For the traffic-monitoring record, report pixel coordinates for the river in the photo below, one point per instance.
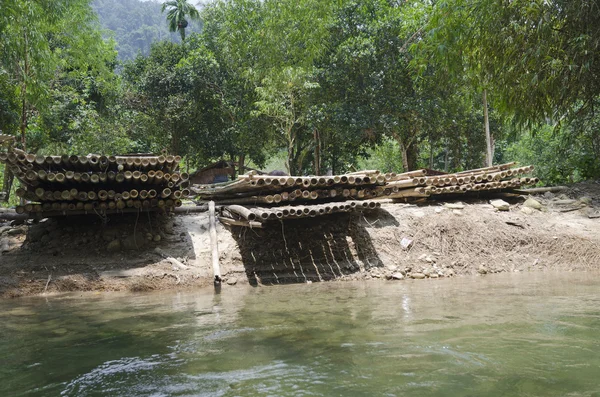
(501, 335)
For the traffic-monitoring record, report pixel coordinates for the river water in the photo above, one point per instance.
(502, 335)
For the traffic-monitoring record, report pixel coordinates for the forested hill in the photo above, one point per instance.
(136, 24)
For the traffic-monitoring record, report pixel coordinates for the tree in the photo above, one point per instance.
(273, 46)
(39, 37)
(281, 98)
(40, 40)
(367, 79)
(539, 58)
(227, 101)
(177, 12)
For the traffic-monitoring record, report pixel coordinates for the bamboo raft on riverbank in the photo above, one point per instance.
(97, 184)
(253, 199)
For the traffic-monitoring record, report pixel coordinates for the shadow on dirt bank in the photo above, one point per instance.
(301, 250)
(75, 252)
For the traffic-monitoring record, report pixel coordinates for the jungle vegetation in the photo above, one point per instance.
(314, 86)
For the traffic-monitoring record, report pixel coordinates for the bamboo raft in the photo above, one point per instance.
(52, 185)
(252, 200)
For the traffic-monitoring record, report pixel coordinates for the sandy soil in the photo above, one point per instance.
(425, 241)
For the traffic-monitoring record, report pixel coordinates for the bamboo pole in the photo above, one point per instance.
(214, 243)
(232, 222)
(242, 211)
(500, 167)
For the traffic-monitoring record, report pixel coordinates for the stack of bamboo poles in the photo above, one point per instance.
(6, 138)
(238, 215)
(261, 189)
(253, 200)
(61, 185)
(419, 184)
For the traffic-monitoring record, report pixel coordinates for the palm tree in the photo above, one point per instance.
(177, 11)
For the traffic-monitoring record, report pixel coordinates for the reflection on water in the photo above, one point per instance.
(527, 335)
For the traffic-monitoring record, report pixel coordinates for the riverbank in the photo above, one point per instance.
(397, 242)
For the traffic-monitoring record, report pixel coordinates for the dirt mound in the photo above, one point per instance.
(478, 239)
(398, 241)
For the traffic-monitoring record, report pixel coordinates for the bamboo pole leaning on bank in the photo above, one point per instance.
(214, 244)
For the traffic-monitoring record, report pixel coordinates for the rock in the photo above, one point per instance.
(433, 275)
(455, 206)
(500, 205)
(397, 276)
(113, 246)
(532, 203)
(109, 235)
(548, 195)
(439, 210)
(16, 231)
(232, 281)
(585, 200)
(426, 272)
(133, 243)
(35, 234)
(527, 210)
(4, 246)
(418, 276)
(449, 273)
(406, 243)
(482, 270)
(564, 202)
(457, 212)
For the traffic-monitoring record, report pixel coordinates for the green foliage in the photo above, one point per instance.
(9, 106)
(329, 85)
(559, 155)
(177, 12)
(384, 157)
(40, 45)
(541, 57)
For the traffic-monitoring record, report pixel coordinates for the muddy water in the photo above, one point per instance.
(506, 335)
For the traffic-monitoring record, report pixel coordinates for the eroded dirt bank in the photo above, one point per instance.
(397, 242)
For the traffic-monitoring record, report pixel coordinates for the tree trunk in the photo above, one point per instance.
(233, 169)
(174, 139)
(404, 153)
(290, 161)
(23, 126)
(446, 159)
(488, 138)
(317, 165)
(241, 164)
(430, 154)
(7, 183)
